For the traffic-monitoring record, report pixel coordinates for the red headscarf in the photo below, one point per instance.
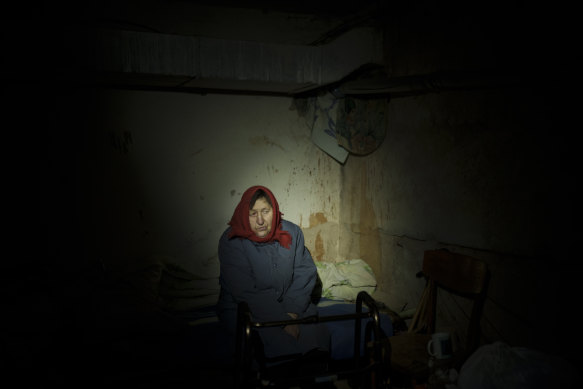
(240, 226)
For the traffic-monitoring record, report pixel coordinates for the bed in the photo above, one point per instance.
(204, 322)
(357, 330)
(156, 324)
(347, 309)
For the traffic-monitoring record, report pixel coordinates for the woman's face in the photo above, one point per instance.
(260, 217)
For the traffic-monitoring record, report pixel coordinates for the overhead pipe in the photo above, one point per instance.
(429, 83)
(191, 62)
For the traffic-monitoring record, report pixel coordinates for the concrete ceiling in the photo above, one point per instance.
(282, 47)
(290, 22)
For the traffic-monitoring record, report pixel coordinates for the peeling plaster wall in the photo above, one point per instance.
(166, 171)
(487, 172)
(474, 172)
(459, 159)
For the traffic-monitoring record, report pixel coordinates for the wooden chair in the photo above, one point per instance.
(460, 275)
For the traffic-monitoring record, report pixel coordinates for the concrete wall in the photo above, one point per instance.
(134, 174)
(490, 172)
(463, 170)
(163, 172)
(159, 174)
(482, 171)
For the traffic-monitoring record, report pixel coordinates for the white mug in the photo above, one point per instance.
(440, 345)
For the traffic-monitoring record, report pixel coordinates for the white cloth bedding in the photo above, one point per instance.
(343, 280)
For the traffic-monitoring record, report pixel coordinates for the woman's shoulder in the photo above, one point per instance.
(226, 240)
(225, 234)
(290, 227)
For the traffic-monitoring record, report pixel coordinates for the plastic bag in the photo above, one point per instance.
(499, 366)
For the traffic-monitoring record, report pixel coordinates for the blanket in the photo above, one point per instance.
(343, 280)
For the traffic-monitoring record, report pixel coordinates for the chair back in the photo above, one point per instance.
(461, 275)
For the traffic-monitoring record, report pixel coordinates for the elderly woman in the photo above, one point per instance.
(264, 262)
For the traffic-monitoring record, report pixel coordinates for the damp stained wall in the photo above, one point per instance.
(170, 169)
(481, 171)
(477, 171)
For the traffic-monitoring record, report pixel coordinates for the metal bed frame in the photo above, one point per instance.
(370, 370)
